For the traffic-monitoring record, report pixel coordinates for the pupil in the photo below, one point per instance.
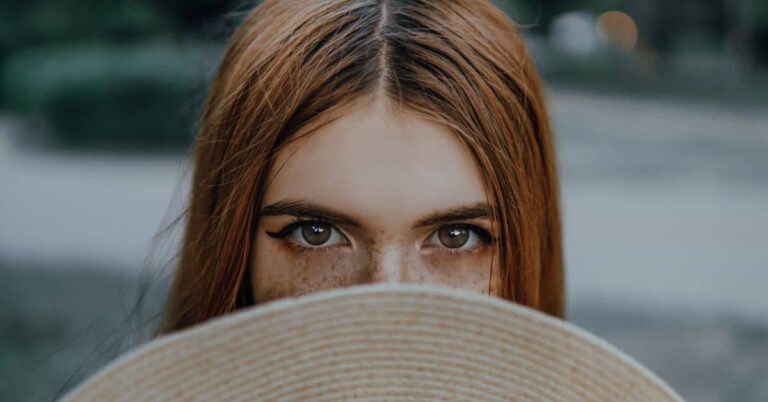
(316, 233)
(454, 237)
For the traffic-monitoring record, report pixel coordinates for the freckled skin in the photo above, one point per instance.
(387, 170)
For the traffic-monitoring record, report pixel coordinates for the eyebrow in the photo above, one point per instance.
(315, 211)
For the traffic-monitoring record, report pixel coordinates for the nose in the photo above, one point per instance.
(388, 265)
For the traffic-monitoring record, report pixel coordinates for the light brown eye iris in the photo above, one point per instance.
(453, 237)
(316, 233)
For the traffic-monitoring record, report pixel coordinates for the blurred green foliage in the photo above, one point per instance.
(43, 22)
(119, 74)
(138, 97)
(132, 74)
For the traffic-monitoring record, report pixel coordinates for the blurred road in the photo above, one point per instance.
(665, 202)
(88, 210)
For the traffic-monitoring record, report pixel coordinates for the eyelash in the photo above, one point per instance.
(296, 223)
(484, 235)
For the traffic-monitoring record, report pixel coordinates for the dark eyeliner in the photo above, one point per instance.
(290, 228)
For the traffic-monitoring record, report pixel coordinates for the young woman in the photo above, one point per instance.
(347, 142)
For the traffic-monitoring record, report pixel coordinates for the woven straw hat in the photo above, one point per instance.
(383, 342)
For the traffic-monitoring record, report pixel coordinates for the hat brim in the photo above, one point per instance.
(393, 342)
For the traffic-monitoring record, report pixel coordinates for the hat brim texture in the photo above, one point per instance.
(383, 342)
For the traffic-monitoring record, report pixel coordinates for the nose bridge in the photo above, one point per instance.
(388, 264)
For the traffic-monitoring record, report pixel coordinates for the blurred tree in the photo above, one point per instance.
(138, 97)
(758, 12)
(118, 73)
(36, 22)
(202, 16)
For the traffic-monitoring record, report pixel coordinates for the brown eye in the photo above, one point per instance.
(311, 234)
(459, 237)
(453, 237)
(316, 233)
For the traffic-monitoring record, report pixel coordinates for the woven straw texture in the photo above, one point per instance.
(384, 342)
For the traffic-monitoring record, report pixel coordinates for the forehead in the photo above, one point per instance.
(375, 163)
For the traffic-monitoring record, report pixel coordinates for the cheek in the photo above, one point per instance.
(279, 272)
(470, 272)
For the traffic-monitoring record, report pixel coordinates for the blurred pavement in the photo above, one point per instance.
(63, 210)
(665, 202)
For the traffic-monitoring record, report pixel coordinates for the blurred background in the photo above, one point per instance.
(661, 117)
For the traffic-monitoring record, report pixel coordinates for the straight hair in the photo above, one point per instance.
(295, 64)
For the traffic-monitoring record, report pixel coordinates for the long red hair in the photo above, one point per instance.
(295, 64)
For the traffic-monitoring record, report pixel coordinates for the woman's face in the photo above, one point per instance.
(373, 197)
